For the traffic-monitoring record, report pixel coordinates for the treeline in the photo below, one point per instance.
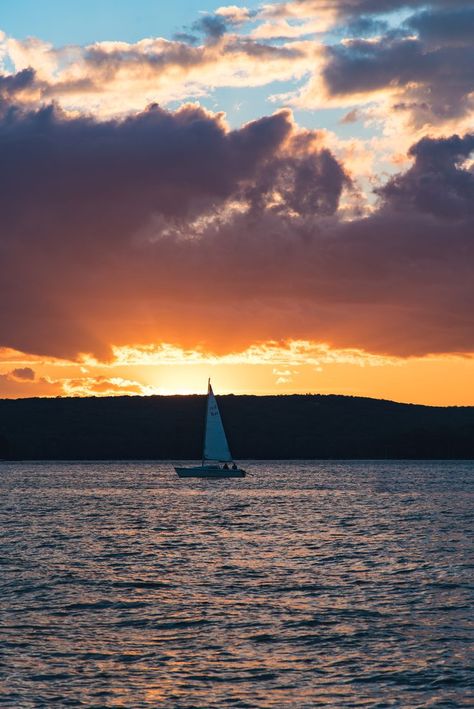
(261, 427)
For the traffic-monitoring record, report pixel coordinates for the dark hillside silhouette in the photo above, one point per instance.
(266, 427)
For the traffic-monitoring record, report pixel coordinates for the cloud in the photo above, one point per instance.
(103, 386)
(145, 369)
(432, 84)
(169, 227)
(212, 26)
(419, 73)
(350, 117)
(16, 87)
(23, 374)
(294, 353)
(127, 228)
(353, 8)
(235, 15)
(437, 183)
(88, 204)
(114, 77)
(288, 20)
(366, 26)
(13, 387)
(452, 26)
(15, 83)
(419, 69)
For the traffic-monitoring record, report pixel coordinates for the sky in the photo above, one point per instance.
(279, 195)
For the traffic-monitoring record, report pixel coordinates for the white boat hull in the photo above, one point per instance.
(210, 471)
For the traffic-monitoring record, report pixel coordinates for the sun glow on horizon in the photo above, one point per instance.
(289, 367)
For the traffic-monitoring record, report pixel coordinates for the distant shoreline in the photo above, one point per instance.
(239, 396)
(296, 427)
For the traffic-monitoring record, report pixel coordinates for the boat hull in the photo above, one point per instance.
(209, 471)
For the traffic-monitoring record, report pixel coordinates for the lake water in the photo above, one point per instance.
(341, 584)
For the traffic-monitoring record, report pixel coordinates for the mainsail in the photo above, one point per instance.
(215, 441)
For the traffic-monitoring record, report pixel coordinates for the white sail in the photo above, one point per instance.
(215, 441)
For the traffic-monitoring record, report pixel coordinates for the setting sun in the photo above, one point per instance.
(297, 367)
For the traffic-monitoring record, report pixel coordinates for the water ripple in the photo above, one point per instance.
(304, 585)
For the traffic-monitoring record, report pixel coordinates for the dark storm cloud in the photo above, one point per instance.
(445, 27)
(353, 10)
(120, 231)
(356, 8)
(170, 227)
(212, 26)
(215, 26)
(437, 183)
(434, 84)
(167, 161)
(427, 62)
(17, 88)
(23, 373)
(306, 185)
(11, 84)
(74, 194)
(364, 66)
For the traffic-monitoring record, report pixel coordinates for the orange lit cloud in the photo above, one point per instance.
(169, 227)
(271, 367)
(13, 386)
(101, 386)
(135, 237)
(116, 77)
(280, 353)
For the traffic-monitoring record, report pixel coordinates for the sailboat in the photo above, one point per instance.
(215, 450)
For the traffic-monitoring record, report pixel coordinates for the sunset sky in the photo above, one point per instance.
(278, 195)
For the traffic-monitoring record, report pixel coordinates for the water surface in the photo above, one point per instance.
(345, 584)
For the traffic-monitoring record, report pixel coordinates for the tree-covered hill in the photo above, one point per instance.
(266, 427)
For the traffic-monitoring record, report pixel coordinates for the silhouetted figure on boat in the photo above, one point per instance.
(215, 447)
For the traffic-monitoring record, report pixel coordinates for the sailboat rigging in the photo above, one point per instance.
(215, 447)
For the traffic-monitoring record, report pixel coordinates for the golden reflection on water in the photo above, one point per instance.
(329, 584)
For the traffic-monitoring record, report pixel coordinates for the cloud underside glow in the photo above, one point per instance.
(126, 222)
(266, 368)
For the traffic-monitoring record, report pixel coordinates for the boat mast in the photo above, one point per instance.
(205, 421)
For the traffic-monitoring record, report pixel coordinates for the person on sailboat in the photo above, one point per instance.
(225, 467)
(234, 467)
